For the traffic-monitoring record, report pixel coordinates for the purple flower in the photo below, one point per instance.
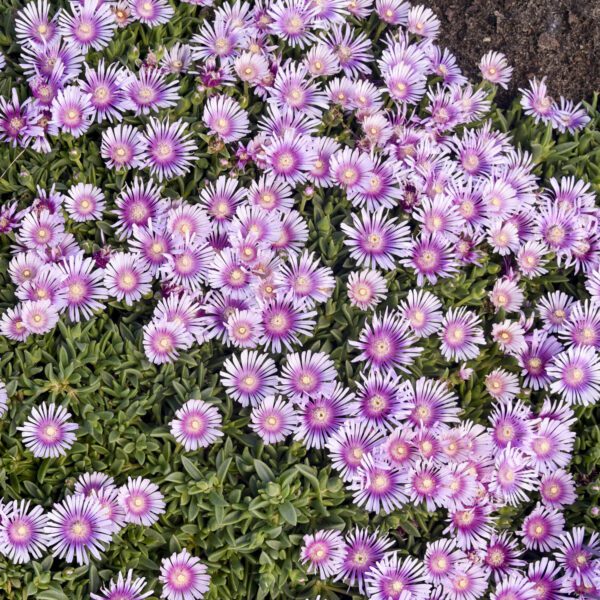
(576, 375)
(293, 21)
(47, 432)
(149, 91)
(124, 588)
(349, 445)
(126, 279)
(137, 204)
(392, 578)
(105, 86)
(513, 477)
(22, 531)
(39, 316)
(151, 12)
(495, 69)
(250, 377)
(374, 239)
(386, 343)
(77, 528)
(34, 26)
(183, 577)
(366, 288)
(170, 149)
(196, 425)
(72, 112)
(461, 334)
(142, 501)
(323, 552)
(283, 321)
(224, 117)
(536, 101)
(163, 340)
(578, 558)
(83, 285)
(289, 157)
(541, 529)
(85, 202)
(307, 375)
(514, 587)
(557, 489)
(378, 486)
(273, 419)
(19, 122)
(361, 551)
(123, 147)
(441, 559)
(91, 24)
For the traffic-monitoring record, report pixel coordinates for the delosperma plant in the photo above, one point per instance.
(291, 309)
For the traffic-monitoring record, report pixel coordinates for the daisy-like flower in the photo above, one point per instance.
(34, 26)
(250, 377)
(428, 484)
(511, 425)
(430, 402)
(163, 340)
(535, 359)
(12, 326)
(183, 577)
(307, 375)
(283, 321)
(471, 526)
(379, 486)
(366, 288)
(149, 91)
(579, 558)
(39, 316)
(224, 117)
(386, 343)
(381, 399)
(83, 285)
(289, 157)
(123, 147)
(142, 501)
(77, 528)
(576, 375)
(47, 432)
(431, 258)
(105, 88)
(502, 385)
(394, 579)
(90, 24)
(502, 555)
(188, 263)
(513, 477)
(349, 445)
(273, 419)
(138, 204)
(510, 337)
(169, 149)
(546, 577)
(305, 280)
(321, 417)
(124, 588)
(351, 169)
(441, 558)
(323, 552)
(84, 202)
(557, 489)
(197, 424)
(551, 445)
(461, 334)
(126, 279)
(507, 295)
(495, 69)
(361, 551)
(537, 102)
(243, 328)
(555, 309)
(514, 587)
(293, 21)
(423, 312)
(542, 528)
(39, 230)
(22, 531)
(569, 117)
(582, 328)
(151, 12)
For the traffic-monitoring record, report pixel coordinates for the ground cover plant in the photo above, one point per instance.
(290, 309)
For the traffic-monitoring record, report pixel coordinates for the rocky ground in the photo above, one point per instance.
(559, 39)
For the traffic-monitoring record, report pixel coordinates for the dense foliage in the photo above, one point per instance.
(240, 505)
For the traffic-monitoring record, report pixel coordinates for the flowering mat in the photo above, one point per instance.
(290, 309)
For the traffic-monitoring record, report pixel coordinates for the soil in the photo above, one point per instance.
(559, 39)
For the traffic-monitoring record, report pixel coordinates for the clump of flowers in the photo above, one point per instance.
(296, 104)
